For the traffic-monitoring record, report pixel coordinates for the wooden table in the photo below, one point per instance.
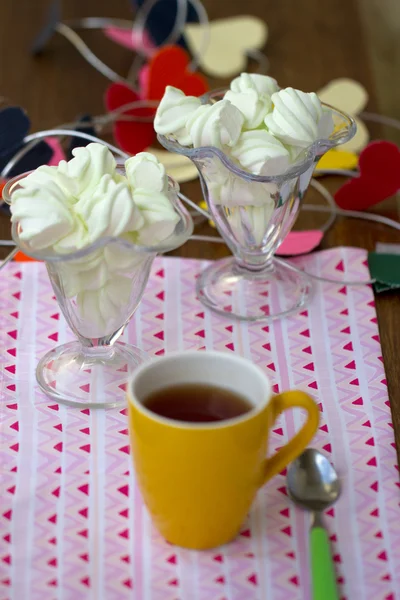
(310, 42)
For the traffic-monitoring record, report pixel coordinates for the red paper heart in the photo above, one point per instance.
(131, 136)
(379, 178)
(169, 67)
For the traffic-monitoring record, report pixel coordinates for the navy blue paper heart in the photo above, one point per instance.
(14, 126)
(40, 154)
(47, 32)
(162, 18)
(77, 142)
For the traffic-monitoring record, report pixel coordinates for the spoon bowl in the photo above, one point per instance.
(312, 481)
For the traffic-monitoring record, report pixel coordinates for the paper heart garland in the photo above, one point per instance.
(131, 136)
(58, 152)
(229, 39)
(134, 136)
(385, 268)
(14, 126)
(379, 165)
(351, 97)
(129, 38)
(300, 242)
(337, 159)
(169, 66)
(161, 19)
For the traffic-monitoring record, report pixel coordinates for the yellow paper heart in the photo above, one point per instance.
(338, 159)
(351, 97)
(203, 205)
(229, 39)
(179, 167)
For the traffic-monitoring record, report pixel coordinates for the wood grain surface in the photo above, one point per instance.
(310, 42)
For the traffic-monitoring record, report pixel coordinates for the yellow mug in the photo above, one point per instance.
(198, 480)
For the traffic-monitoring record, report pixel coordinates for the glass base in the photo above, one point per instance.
(273, 293)
(95, 378)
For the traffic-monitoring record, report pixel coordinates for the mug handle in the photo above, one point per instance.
(295, 446)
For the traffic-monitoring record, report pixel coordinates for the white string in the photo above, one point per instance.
(374, 117)
(331, 204)
(356, 215)
(87, 54)
(67, 28)
(33, 137)
(8, 258)
(196, 207)
(215, 239)
(342, 172)
(98, 23)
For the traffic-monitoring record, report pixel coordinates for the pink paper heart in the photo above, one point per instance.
(300, 242)
(58, 152)
(130, 39)
(143, 77)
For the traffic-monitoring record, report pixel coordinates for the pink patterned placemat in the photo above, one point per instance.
(72, 522)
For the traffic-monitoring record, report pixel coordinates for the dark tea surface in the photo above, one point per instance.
(197, 403)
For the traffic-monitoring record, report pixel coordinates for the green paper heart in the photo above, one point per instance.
(385, 268)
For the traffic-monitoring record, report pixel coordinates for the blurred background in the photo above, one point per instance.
(309, 43)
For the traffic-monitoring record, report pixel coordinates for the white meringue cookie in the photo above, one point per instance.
(158, 214)
(122, 259)
(76, 239)
(43, 174)
(145, 171)
(250, 224)
(172, 113)
(253, 106)
(251, 94)
(217, 125)
(87, 273)
(105, 310)
(91, 272)
(238, 192)
(44, 215)
(254, 81)
(109, 210)
(89, 165)
(297, 118)
(228, 189)
(261, 153)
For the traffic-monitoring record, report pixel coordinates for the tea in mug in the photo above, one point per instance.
(197, 403)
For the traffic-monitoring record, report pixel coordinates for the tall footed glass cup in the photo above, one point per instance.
(254, 214)
(98, 289)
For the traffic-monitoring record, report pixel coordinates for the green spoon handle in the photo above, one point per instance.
(322, 568)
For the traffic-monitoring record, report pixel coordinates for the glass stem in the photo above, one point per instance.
(255, 263)
(95, 353)
(100, 348)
